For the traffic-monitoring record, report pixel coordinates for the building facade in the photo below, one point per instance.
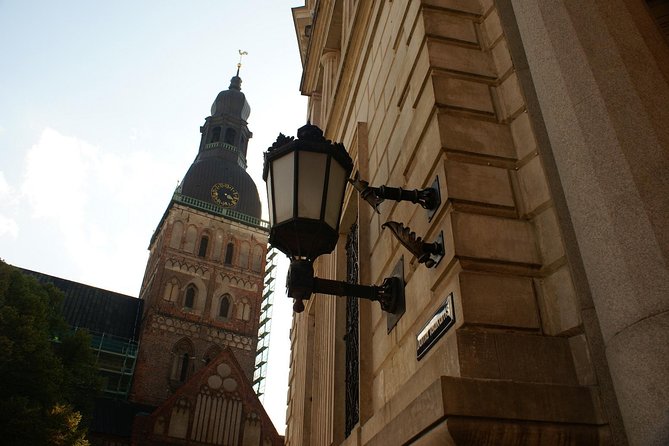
(546, 125)
(203, 294)
(203, 284)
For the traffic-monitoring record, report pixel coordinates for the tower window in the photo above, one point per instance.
(204, 241)
(243, 310)
(171, 290)
(216, 134)
(191, 239)
(182, 354)
(224, 309)
(257, 259)
(229, 251)
(189, 300)
(184, 367)
(230, 136)
(243, 259)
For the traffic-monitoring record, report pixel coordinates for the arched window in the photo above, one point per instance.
(182, 354)
(224, 308)
(177, 234)
(216, 134)
(189, 299)
(191, 239)
(229, 252)
(244, 255)
(243, 309)
(171, 290)
(218, 246)
(230, 136)
(257, 259)
(185, 359)
(204, 241)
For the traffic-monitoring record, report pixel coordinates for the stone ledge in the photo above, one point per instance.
(506, 401)
(481, 432)
(521, 357)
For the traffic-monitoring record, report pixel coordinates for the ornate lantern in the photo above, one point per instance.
(306, 178)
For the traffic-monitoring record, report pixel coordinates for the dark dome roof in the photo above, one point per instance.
(204, 173)
(232, 102)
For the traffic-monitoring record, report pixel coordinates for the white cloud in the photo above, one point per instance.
(8, 227)
(55, 178)
(101, 205)
(8, 201)
(5, 189)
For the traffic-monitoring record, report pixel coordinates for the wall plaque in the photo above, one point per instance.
(442, 320)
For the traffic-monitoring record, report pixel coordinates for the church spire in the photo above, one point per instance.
(239, 64)
(220, 165)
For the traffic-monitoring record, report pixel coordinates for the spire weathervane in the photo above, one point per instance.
(239, 64)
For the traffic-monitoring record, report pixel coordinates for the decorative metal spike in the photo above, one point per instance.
(428, 253)
(367, 193)
(281, 140)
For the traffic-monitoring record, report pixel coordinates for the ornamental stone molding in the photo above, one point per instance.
(197, 331)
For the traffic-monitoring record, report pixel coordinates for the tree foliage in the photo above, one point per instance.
(47, 372)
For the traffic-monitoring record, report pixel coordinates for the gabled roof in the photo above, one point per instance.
(99, 311)
(217, 405)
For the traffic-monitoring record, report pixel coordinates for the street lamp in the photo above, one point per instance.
(306, 179)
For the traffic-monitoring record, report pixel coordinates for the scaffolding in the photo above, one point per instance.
(262, 352)
(116, 358)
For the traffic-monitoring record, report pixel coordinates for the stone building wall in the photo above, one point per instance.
(598, 79)
(438, 88)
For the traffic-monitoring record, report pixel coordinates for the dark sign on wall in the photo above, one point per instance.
(439, 323)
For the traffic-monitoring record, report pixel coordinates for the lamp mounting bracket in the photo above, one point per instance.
(429, 198)
(301, 283)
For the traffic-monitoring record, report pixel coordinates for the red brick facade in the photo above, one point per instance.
(215, 406)
(181, 333)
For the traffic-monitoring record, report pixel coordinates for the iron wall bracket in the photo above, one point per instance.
(301, 283)
(429, 198)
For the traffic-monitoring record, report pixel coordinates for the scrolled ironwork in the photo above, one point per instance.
(352, 402)
(428, 253)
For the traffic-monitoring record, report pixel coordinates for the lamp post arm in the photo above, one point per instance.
(425, 197)
(386, 294)
(339, 288)
(301, 283)
(428, 198)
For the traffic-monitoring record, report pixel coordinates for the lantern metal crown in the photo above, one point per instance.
(306, 179)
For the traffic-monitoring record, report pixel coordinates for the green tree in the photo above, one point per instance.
(47, 373)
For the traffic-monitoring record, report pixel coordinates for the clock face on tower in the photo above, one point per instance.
(224, 194)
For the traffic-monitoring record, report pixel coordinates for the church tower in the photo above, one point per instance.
(203, 285)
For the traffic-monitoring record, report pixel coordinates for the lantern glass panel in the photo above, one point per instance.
(310, 184)
(336, 188)
(283, 174)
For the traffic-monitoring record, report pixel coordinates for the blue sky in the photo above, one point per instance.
(100, 109)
